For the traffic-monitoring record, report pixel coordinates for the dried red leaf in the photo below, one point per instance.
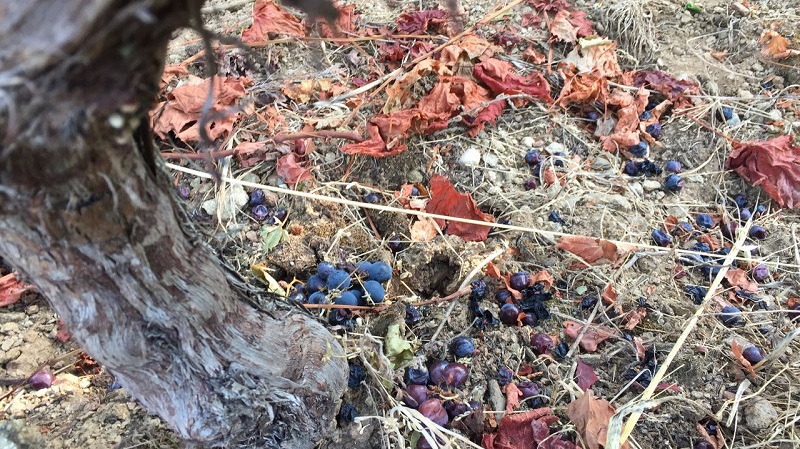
(738, 278)
(11, 289)
(592, 338)
(515, 431)
(63, 334)
(290, 169)
(387, 134)
(445, 200)
(609, 295)
(582, 23)
(738, 352)
(182, 110)
(599, 59)
(634, 317)
(669, 86)
(170, 72)
(640, 349)
(549, 5)
(501, 78)
(344, 23)
(486, 115)
(269, 18)
(591, 417)
(533, 56)
(773, 164)
(561, 28)
(512, 397)
(582, 88)
(592, 250)
(584, 375)
(420, 22)
(544, 277)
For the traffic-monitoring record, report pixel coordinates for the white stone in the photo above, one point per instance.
(471, 157)
(527, 142)
(650, 185)
(490, 159)
(556, 147)
(636, 188)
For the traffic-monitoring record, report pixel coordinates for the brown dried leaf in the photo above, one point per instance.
(561, 28)
(738, 278)
(290, 169)
(592, 338)
(738, 352)
(773, 164)
(674, 89)
(269, 18)
(599, 59)
(591, 417)
(420, 22)
(634, 317)
(11, 289)
(592, 250)
(775, 46)
(445, 200)
(501, 78)
(512, 397)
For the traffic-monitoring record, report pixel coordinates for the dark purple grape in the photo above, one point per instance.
(531, 183)
(743, 214)
(555, 217)
(280, 214)
(673, 167)
(682, 228)
(631, 169)
(727, 114)
(41, 379)
(588, 302)
(417, 374)
(654, 129)
(394, 244)
(338, 280)
(752, 354)
(183, 192)
(317, 298)
(702, 444)
(355, 377)
(528, 389)
(646, 115)
(324, 269)
(412, 315)
(375, 291)
(794, 312)
(758, 233)
(701, 247)
(530, 319)
(372, 198)
(436, 372)
(541, 343)
(649, 168)
(478, 290)
(533, 157)
(761, 209)
(704, 221)
(509, 314)
(504, 376)
(380, 272)
(640, 149)
(730, 316)
(346, 299)
(592, 115)
(455, 375)
(741, 200)
(455, 408)
(502, 296)
(297, 296)
(414, 395)
(673, 183)
(347, 414)
(661, 238)
(433, 410)
(561, 350)
(422, 443)
(256, 198)
(260, 212)
(759, 273)
(462, 347)
(728, 229)
(520, 280)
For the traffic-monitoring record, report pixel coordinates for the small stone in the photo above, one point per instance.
(650, 185)
(32, 309)
(556, 147)
(11, 354)
(9, 328)
(490, 159)
(11, 317)
(759, 415)
(414, 176)
(610, 199)
(527, 142)
(471, 157)
(745, 94)
(636, 188)
(686, 18)
(118, 412)
(757, 67)
(601, 163)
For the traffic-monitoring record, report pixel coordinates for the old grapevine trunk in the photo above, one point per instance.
(87, 215)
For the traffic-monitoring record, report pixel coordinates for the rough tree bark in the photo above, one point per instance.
(88, 216)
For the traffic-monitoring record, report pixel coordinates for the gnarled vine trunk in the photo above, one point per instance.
(87, 215)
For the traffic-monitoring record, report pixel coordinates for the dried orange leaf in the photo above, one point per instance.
(738, 352)
(445, 200)
(269, 18)
(591, 417)
(591, 338)
(11, 289)
(592, 250)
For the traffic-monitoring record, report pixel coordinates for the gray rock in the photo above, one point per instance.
(610, 199)
(759, 415)
(9, 328)
(602, 163)
(650, 185)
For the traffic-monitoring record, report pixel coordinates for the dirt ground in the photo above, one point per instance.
(84, 408)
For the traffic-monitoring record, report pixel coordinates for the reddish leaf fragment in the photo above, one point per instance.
(290, 169)
(738, 352)
(549, 5)
(609, 295)
(269, 18)
(593, 251)
(634, 317)
(738, 278)
(500, 77)
(11, 289)
(584, 25)
(63, 334)
(184, 106)
(562, 28)
(592, 338)
(516, 432)
(584, 375)
(582, 88)
(345, 22)
(666, 84)
(419, 22)
(772, 164)
(445, 200)
(486, 115)
(591, 417)
(170, 72)
(512, 397)
(775, 46)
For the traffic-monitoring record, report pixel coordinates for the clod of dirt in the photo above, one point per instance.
(759, 415)
(16, 435)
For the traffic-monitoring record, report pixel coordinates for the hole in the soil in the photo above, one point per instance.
(441, 275)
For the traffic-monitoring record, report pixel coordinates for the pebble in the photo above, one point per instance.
(490, 159)
(611, 199)
(602, 163)
(471, 157)
(11, 354)
(757, 67)
(528, 142)
(32, 309)
(9, 328)
(650, 185)
(232, 201)
(636, 188)
(556, 147)
(759, 415)
(686, 18)
(11, 317)
(496, 397)
(414, 176)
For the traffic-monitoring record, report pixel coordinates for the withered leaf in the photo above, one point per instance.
(591, 417)
(772, 164)
(11, 289)
(269, 18)
(585, 376)
(446, 200)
